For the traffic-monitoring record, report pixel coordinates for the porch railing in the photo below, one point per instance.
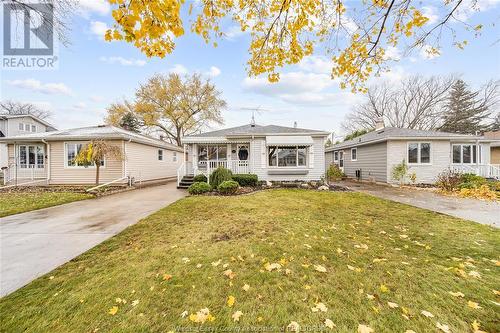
(483, 170)
(23, 172)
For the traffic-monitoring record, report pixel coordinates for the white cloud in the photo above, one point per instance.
(44, 88)
(392, 53)
(98, 28)
(470, 7)
(97, 98)
(213, 71)
(393, 76)
(426, 52)
(233, 32)
(431, 13)
(100, 7)
(289, 83)
(122, 61)
(80, 106)
(316, 64)
(178, 69)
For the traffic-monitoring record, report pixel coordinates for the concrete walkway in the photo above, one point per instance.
(34, 243)
(484, 212)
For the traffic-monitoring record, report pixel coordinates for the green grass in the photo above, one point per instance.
(19, 202)
(427, 256)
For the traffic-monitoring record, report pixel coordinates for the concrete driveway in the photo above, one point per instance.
(34, 243)
(484, 212)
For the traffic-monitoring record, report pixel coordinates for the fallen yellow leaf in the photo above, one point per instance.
(113, 310)
(473, 305)
(231, 300)
(365, 329)
(236, 316)
(329, 323)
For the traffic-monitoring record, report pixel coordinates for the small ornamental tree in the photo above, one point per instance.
(95, 152)
(399, 172)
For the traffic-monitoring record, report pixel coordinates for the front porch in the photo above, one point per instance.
(201, 158)
(27, 164)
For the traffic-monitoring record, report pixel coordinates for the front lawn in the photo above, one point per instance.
(273, 259)
(20, 202)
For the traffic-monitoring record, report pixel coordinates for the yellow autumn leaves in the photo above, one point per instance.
(282, 32)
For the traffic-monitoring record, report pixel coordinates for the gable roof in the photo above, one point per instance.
(387, 133)
(93, 132)
(249, 129)
(50, 127)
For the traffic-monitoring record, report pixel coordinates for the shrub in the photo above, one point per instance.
(220, 175)
(200, 178)
(199, 188)
(399, 172)
(449, 180)
(246, 179)
(228, 187)
(334, 172)
(473, 180)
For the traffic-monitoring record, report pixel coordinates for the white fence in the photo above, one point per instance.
(207, 167)
(483, 170)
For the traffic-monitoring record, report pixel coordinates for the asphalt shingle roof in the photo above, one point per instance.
(394, 132)
(94, 132)
(256, 129)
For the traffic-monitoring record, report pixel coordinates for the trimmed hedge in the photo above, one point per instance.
(246, 179)
(199, 188)
(200, 178)
(228, 187)
(219, 176)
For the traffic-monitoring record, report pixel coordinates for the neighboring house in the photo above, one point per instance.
(11, 125)
(494, 147)
(49, 157)
(273, 153)
(427, 153)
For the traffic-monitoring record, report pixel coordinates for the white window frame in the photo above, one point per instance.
(160, 155)
(21, 126)
(174, 156)
(297, 166)
(27, 165)
(336, 156)
(479, 153)
(83, 143)
(33, 128)
(419, 148)
(356, 150)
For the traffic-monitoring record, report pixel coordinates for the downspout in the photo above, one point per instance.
(125, 171)
(48, 160)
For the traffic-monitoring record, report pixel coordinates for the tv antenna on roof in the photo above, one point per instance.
(257, 109)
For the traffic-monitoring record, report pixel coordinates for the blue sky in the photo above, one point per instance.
(93, 73)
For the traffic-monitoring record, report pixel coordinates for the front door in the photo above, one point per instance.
(341, 160)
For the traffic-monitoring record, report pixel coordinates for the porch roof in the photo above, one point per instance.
(296, 140)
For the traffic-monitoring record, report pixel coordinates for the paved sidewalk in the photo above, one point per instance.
(484, 212)
(34, 243)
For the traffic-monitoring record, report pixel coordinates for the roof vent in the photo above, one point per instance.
(294, 124)
(101, 125)
(252, 122)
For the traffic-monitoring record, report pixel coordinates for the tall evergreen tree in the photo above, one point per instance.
(465, 112)
(130, 122)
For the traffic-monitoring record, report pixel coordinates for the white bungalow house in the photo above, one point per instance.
(427, 153)
(273, 153)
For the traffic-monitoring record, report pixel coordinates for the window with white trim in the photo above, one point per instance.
(335, 156)
(31, 156)
(285, 156)
(419, 153)
(21, 126)
(174, 156)
(354, 154)
(71, 150)
(33, 128)
(160, 154)
(465, 153)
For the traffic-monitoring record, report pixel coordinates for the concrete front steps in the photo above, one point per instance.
(186, 181)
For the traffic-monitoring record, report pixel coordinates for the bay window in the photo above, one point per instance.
(284, 156)
(465, 153)
(419, 153)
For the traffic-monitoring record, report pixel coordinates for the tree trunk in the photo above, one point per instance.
(97, 167)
